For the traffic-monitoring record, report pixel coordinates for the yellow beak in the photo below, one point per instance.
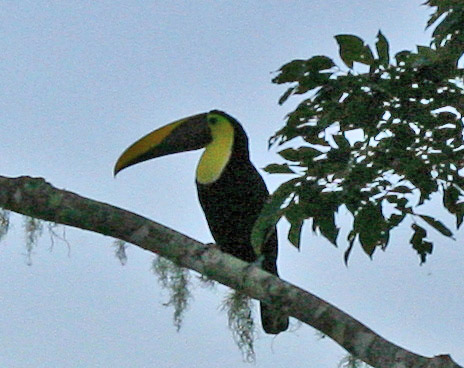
(187, 134)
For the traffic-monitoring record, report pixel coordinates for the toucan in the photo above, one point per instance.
(230, 189)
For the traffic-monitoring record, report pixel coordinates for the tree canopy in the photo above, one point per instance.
(378, 136)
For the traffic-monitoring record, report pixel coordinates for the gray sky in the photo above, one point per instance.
(82, 80)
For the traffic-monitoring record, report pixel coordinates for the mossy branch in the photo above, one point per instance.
(36, 198)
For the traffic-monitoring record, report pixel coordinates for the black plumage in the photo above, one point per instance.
(232, 205)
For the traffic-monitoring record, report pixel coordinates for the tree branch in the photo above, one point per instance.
(36, 198)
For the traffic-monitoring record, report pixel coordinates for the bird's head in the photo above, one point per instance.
(214, 130)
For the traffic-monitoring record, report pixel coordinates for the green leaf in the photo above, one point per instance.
(290, 72)
(278, 169)
(450, 198)
(290, 154)
(382, 49)
(270, 214)
(286, 95)
(327, 227)
(318, 63)
(295, 215)
(351, 238)
(417, 241)
(370, 226)
(403, 56)
(427, 54)
(342, 143)
(308, 74)
(294, 233)
(299, 154)
(437, 225)
(352, 49)
(395, 220)
(316, 74)
(460, 215)
(402, 189)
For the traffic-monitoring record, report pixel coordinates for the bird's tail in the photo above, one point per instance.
(272, 319)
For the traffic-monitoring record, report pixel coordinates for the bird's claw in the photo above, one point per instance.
(212, 246)
(258, 262)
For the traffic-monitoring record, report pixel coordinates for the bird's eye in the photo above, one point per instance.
(213, 120)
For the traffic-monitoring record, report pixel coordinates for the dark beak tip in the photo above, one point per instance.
(116, 171)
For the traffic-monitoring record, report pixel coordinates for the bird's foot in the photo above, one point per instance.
(212, 245)
(258, 262)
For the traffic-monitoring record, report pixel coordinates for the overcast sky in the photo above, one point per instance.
(81, 80)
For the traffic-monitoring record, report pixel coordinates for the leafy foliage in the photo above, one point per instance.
(448, 34)
(378, 143)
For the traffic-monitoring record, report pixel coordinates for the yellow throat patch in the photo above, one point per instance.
(218, 152)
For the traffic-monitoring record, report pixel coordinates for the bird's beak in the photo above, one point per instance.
(187, 134)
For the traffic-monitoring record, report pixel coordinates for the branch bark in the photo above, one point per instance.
(35, 197)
